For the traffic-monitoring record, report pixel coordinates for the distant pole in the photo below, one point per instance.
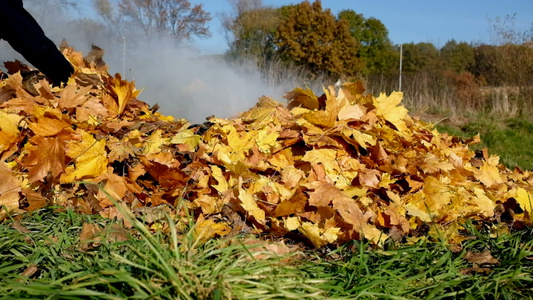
(124, 56)
(400, 81)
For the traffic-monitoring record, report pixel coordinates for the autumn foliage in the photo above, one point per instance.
(329, 169)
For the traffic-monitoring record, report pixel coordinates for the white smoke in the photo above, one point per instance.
(183, 82)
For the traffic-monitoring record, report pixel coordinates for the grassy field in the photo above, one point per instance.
(43, 256)
(46, 255)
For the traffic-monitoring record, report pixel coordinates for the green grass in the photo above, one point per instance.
(173, 266)
(148, 266)
(432, 271)
(511, 139)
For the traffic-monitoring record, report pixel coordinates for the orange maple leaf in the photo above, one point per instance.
(46, 155)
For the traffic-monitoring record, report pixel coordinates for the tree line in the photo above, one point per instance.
(311, 38)
(348, 44)
(351, 46)
(307, 35)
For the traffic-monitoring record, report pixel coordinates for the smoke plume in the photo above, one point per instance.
(183, 82)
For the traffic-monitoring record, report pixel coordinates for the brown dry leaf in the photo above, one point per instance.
(475, 270)
(91, 109)
(30, 271)
(119, 150)
(369, 178)
(90, 237)
(351, 112)
(73, 96)
(322, 193)
(35, 199)
(296, 204)
(116, 233)
(114, 188)
(10, 188)
(46, 155)
(349, 211)
(262, 250)
(18, 227)
(481, 258)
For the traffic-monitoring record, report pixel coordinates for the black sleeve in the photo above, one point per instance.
(25, 35)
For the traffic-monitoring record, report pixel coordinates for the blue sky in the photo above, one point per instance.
(407, 20)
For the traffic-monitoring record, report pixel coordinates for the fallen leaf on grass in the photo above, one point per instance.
(263, 250)
(206, 229)
(481, 258)
(28, 272)
(90, 237)
(17, 226)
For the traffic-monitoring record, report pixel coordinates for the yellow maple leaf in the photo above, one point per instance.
(164, 118)
(222, 185)
(292, 223)
(9, 132)
(524, 199)
(305, 98)
(205, 229)
(208, 204)
(433, 164)
(485, 206)
(390, 110)
(186, 137)
(430, 201)
(249, 204)
(154, 142)
(351, 112)
(9, 123)
(374, 235)
(239, 141)
(124, 90)
(319, 236)
(266, 140)
(89, 157)
(327, 117)
(291, 176)
(489, 173)
(326, 157)
(362, 139)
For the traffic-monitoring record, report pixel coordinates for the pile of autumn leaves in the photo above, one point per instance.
(325, 169)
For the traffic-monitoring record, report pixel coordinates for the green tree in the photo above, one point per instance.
(457, 57)
(375, 49)
(312, 37)
(420, 57)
